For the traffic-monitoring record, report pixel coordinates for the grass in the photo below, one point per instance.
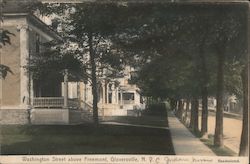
(160, 121)
(87, 139)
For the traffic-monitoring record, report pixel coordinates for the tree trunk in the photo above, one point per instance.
(204, 88)
(93, 79)
(218, 136)
(204, 116)
(194, 115)
(173, 104)
(191, 124)
(244, 134)
(187, 109)
(182, 110)
(179, 110)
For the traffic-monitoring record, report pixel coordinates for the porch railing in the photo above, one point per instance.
(54, 102)
(74, 103)
(88, 106)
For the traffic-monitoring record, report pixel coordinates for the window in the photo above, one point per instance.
(128, 96)
(119, 96)
(141, 99)
(110, 98)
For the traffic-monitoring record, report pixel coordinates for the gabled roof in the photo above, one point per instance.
(20, 8)
(16, 6)
(42, 26)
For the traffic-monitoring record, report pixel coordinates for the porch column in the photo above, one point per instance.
(103, 93)
(78, 94)
(107, 93)
(85, 95)
(24, 55)
(116, 95)
(85, 91)
(65, 103)
(121, 97)
(103, 96)
(113, 94)
(31, 91)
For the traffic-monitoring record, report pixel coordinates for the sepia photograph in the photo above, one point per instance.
(124, 81)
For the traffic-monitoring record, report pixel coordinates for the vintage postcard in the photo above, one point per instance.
(133, 81)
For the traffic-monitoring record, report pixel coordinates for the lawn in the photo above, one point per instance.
(144, 120)
(87, 139)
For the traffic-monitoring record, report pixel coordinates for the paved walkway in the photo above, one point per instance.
(184, 142)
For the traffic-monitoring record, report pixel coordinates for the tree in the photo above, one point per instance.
(213, 42)
(163, 41)
(194, 115)
(169, 75)
(226, 35)
(90, 29)
(201, 62)
(244, 135)
(92, 26)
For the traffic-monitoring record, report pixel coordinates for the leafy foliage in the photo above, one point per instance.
(5, 37)
(187, 35)
(4, 70)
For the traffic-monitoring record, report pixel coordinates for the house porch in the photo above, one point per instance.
(58, 109)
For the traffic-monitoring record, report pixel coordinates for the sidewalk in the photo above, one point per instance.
(184, 142)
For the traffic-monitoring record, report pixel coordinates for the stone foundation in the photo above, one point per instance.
(44, 116)
(50, 116)
(14, 116)
(114, 112)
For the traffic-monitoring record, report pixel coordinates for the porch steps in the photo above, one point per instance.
(79, 117)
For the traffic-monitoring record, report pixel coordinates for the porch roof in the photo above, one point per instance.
(17, 8)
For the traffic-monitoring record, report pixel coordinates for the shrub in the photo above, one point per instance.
(158, 109)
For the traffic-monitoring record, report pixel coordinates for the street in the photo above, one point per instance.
(232, 131)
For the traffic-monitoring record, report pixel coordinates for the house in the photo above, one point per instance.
(54, 100)
(232, 104)
(18, 91)
(116, 97)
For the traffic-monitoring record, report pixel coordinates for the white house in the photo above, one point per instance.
(116, 97)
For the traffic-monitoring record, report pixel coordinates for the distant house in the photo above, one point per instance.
(116, 97)
(230, 104)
